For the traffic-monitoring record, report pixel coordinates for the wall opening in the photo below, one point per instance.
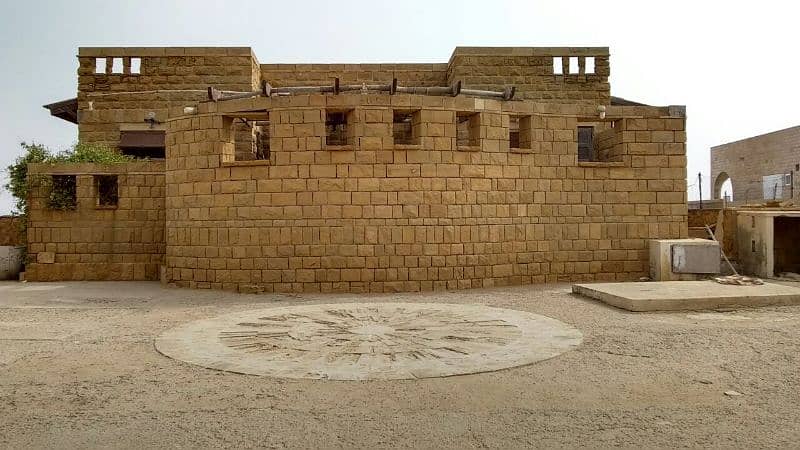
(100, 65)
(136, 66)
(519, 132)
(405, 127)
(63, 192)
(116, 65)
(786, 242)
(337, 128)
(599, 142)
(106, 189)
(251, 137)
(723, 184)
(574, 66)
(589, 65)
(586, 143)
(558, 65)
(468, 129)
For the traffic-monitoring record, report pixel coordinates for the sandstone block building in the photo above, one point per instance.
(317, 188)
(765, 167)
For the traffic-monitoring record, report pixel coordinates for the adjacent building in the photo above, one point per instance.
(358, 177)
(758, 168)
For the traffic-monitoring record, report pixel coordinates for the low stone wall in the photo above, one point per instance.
(11, 231)
(94, 241)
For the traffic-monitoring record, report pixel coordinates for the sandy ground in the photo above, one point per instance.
(78, 370)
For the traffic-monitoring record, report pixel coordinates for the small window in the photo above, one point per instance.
(558, 65)
(573, 65)
(468, 128)
(63, 192)
(585, 143)
(404, 127)
(519, 132)
(336, 130)
(136, 66)
(100, 65)
(106, 190)
(116, 65)
(589, 65)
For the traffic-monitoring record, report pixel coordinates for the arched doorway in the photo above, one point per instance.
(723, 187)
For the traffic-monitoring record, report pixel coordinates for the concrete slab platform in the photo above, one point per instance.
(687, 295)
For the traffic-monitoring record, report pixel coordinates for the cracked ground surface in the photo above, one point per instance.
(78, 370)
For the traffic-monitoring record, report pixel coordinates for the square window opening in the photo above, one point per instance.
(558, 66)
(100, 65)
(589, 65)
(63, 192)
(404, 127)
(573, 65)
(251, 138)
(116, 65)
(519, 132)
(106, 190)
(600, 142)
(336, 128)
(468, 129)
(136, 66)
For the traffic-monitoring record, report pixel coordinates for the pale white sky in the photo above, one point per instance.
(734, 64)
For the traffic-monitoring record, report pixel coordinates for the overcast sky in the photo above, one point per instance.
(736, 67)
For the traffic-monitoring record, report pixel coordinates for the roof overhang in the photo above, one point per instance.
(65, 109)
(619, 101)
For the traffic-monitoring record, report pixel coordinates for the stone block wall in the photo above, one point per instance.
(323, 74)
(11, 231)
(375, 216)
(746, 161)
(531, 70)
(95, 242)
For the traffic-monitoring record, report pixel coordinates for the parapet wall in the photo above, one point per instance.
(375, 216)
(93, 241)
(121, 96)
(532, 70)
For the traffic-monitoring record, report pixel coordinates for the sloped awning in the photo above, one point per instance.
(619, 101)
(65, 109)
(142, 139)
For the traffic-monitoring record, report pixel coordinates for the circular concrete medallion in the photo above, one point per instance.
(369, 341)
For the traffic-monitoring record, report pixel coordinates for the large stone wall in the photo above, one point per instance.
(94, 242)
(746, 161)
(374, 216)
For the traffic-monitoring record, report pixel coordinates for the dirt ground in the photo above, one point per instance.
(78, 370)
